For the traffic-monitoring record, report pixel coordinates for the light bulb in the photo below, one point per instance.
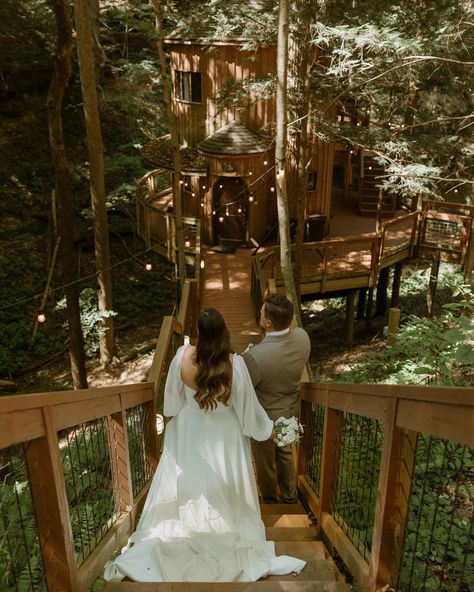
(251, 198)
(187, 244)
(193, 194)
(265, 162)
(250, 173)
(220, 186)
(202, 264)
(181, 182)
(185, 184)
(227, 211)
(272, 189)
(202, 204)
(148, 266)
(240, 210)
(41, 317)
(160, 424)
(204, 187)
(221, 218)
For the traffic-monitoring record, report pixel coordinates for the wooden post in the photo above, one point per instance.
(333, 420)
(393, 324)
(396, 470)
(430, 297)
(397, 278)
(120, 461)
(350, 308)
(381, 303)
(48, 490)
(361, 303)
(368, 313)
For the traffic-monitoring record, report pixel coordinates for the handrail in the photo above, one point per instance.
(404, 412)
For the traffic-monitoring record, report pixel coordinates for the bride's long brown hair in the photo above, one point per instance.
(213, 351)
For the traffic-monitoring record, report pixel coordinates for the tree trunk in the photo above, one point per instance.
(177, 195)
(96, 168)
(280, 158)
(59, 83)
(299, 62)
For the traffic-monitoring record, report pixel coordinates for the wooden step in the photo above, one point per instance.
(282, 509)
(267, 585)
(298, 533)
(286, 520)
(305, 550)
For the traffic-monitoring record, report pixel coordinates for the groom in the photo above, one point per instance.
(275, 366)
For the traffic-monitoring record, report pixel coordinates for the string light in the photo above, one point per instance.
(220, 186)
(148, 266)
(86, 277)
(239, 210)
(213, 212)
(265, 162)
(204, 187)
(221, 218)
(41, 318)
(202, 204)
(201, 265)
(193, 194)
(272, 189)
(160, 424)
(250, 173)
(187, 244)
(251, 197)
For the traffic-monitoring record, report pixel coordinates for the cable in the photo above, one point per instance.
(86, 277)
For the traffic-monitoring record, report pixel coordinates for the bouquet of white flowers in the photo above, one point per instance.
(288, 430)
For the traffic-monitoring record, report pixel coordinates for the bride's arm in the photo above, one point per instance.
(253, 418)
(174, 397)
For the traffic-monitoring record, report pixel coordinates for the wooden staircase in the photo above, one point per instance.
(289, 526)
(369, 190)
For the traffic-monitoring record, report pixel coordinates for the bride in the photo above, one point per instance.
(201, 520)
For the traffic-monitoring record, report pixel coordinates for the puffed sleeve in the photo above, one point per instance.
(175, 397)
(253, 418)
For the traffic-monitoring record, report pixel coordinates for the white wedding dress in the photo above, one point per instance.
(201, 520)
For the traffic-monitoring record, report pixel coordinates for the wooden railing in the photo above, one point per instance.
(158, 230)
(353, 262)
(84, 460)
(47, 427)
(356, 472)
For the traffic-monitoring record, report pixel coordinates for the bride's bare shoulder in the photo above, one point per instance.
(188, 367)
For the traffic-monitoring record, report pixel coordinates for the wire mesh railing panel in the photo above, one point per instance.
(360, 446)
(21, 562)
(312, 442)
(138, 428)
(439, 539)
(89, 487)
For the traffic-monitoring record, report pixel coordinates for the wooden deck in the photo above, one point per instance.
(225, 285)
(289, 526)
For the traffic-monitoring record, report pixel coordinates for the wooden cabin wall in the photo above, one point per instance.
(219, 66)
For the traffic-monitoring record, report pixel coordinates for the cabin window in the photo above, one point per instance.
(188, 86)
(312, 180)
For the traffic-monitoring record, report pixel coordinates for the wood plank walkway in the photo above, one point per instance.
(225, 285)
(289, 526)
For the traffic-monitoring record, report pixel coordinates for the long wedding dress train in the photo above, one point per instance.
(201, 520)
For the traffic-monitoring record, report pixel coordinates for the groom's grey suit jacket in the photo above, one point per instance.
(275, 366)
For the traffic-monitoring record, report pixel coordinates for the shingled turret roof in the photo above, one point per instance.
(233, 138)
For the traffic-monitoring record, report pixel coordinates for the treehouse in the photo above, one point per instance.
(225, 119)
(224, 110)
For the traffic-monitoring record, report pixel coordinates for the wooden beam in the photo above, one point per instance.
(393, 324)
(350, 309)
(48, 489)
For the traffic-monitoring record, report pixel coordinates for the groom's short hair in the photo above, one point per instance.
(279, 310)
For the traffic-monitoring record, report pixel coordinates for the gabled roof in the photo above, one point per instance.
(160, 152)
(233, 138)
